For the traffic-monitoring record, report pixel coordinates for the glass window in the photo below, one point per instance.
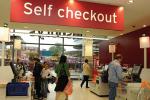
(51, 40)
(27, 38)
(74, 58)
(45, 47)
(71, 41)
(28, 51)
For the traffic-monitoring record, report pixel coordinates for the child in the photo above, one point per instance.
(45, 74)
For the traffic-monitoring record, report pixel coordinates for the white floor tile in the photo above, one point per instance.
(78, 93)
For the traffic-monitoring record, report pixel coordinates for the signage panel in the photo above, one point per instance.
(62, 12)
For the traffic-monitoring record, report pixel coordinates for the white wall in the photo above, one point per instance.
(6, 73)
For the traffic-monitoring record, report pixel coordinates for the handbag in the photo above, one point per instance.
(69, 88)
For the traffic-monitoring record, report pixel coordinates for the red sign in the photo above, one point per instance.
(62, 12)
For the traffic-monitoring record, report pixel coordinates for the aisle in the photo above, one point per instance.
(78, 93)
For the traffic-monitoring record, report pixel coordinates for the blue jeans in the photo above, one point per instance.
(112, 90)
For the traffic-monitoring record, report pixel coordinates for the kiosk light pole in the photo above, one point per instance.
(112, 49)
(144, 43)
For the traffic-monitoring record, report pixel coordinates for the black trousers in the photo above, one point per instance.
(38, 87)
(85, 79)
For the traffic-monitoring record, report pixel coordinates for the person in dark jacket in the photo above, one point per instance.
(37, 75)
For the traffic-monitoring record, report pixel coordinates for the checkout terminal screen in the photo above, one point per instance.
(136, 69)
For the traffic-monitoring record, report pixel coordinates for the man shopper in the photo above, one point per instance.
(37, 76)
(115, 76)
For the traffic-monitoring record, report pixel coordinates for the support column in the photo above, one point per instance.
(39, 42)
(13, 49)
(15, 55)
(3, 54)
(145, 57)
(87, 51)
(63, 46)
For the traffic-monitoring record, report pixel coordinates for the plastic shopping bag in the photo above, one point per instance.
(69, 88)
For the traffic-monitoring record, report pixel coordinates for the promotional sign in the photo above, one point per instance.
(62, 12)
(4, 34)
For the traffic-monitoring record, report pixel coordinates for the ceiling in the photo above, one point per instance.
(137, 14)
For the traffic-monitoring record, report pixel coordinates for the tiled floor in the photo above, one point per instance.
(78, 93)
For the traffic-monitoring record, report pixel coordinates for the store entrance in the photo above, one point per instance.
(48, 47)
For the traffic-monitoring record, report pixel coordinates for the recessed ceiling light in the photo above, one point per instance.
(121, 34)
(87, 31)
(71, 1)
(121, 8)
(25, 27)
(130, 1)
(144, 25)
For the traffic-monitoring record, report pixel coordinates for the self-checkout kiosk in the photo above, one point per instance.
(128, 90)
(133, 89)
(21, 88)
(11, 88)
(100, 87)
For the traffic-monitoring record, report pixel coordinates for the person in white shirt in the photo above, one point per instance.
(86, 73)
(45, 74)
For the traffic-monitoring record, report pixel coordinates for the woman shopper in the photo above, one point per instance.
(63, 75)
(86, 73)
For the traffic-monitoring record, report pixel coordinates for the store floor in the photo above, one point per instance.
(78, 93)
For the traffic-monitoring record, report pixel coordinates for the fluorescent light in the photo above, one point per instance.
(58, 29)
(87, 31)
(25, 27)
(130, 1)
(71, 1)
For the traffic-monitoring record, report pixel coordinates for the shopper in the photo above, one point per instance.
(63, 75)
(86, 73)
(37, 76)
(46, 74)
(114, 76)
